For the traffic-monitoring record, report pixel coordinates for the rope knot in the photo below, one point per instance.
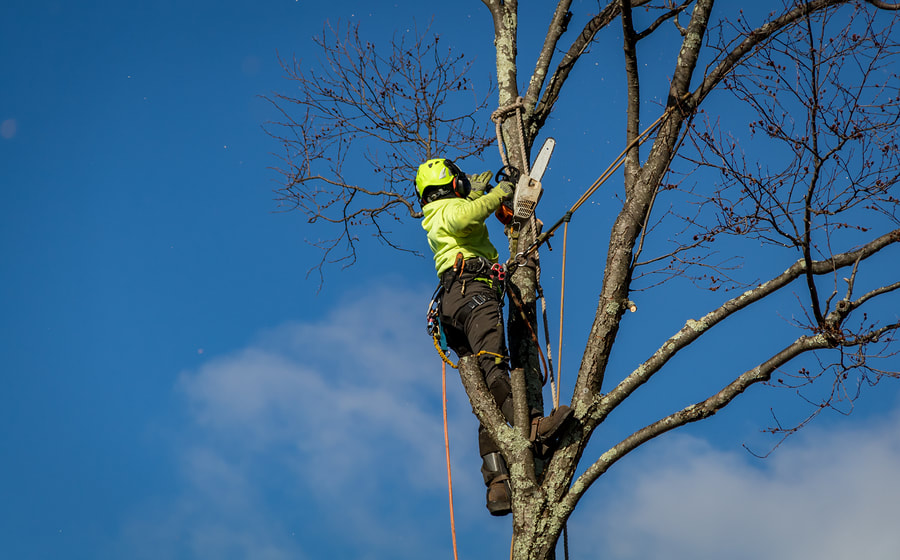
(498, 117)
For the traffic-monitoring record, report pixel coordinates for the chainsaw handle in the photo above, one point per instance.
(507, 173)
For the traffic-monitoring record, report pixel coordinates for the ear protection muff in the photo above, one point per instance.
(461, 185)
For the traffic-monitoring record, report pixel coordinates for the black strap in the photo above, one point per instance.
(466, 310)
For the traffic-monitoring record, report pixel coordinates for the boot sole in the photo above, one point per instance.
(499, 509)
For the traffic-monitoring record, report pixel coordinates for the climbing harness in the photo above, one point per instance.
(498, 270)
(495, 276)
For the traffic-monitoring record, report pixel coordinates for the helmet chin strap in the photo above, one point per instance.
(438, 193)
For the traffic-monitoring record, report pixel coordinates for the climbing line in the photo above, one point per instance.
(498, 117)
(528, 233)
(562, 307)
(515, 228)
(554, 384)
(447, 449)
(637, 141)
(445, 361)
(534, 338)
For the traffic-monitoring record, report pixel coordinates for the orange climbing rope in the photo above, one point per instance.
(445, 361)
(447, 448)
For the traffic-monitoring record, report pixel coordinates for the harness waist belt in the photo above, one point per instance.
(471, 267)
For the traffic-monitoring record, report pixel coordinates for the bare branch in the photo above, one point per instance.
(691, 413)
(690, 51)
(576, 50)
(884, 5)
(366, 117)
(671, 14)
(632, 80)
(692, 329)
(558, 26)
(874, 293)
(753, 39)
(814, 180)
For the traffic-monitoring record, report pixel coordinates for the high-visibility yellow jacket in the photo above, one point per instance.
(456, 225)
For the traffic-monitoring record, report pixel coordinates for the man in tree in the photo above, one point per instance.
(455, 207)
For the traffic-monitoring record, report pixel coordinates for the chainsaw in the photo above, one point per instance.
(528, 187)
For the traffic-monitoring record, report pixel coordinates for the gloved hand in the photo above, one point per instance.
(506, 188)
(480, 183)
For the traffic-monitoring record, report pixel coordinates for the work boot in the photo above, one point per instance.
(545, 429)
(496, 478)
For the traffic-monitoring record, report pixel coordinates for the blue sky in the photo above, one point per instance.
(176, 388)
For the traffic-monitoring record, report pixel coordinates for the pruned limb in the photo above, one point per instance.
(514, 445)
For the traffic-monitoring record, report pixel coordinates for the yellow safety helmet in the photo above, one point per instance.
(438, 178)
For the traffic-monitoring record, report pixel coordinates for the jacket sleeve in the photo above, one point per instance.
(462, 218)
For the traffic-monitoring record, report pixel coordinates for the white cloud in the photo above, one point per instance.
(824, 495)
(8, 128)
(337, 418)
(218, 515)
(356, 388)
(324, 438)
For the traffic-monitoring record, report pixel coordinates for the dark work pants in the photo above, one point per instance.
(472, 317)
